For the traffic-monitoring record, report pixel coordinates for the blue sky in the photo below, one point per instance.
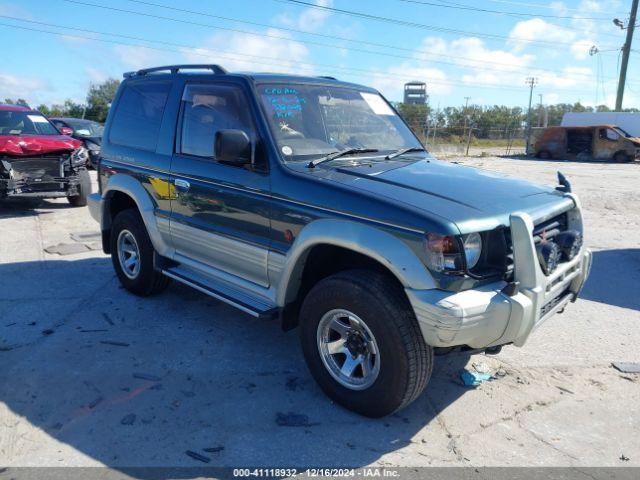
(458, 52)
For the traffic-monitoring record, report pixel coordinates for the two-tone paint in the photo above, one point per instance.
(253, 227)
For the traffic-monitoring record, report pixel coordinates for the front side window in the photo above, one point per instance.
(208, 109)
(312, 120)
(138, 115)
(25, 123)
(609, 134)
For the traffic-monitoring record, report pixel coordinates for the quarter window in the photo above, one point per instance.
(207, 109)
(138, 116)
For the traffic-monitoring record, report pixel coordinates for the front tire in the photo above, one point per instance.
(621, 157)
(362, 343)
(84, 190)
(132, 255)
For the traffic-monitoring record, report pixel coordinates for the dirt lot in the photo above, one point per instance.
(91, 375)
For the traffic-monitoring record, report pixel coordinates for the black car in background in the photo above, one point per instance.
(87, 131)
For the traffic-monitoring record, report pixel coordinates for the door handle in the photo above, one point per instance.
(183, 184)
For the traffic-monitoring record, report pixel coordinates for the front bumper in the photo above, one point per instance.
(43, 188)
(486, 316)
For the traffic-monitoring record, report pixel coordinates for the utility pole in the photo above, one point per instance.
(531, 81)
(464, 114)
(626, 49)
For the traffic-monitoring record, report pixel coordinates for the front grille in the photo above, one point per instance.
(544, 230)
(40, 168)
(550, 228)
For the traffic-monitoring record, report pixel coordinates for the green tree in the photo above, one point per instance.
(20, 101)
(416, 116)
(99, 99)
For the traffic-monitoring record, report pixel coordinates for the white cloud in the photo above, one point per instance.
(136, 57)
(537, 29)
(310, 18)
(16, 87)
(241, 51)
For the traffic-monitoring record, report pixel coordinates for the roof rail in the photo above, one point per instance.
(216, 69)
(327, 77)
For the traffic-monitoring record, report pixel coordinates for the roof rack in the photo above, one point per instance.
(216, 69)
(327, 77)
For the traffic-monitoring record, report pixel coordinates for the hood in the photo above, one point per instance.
(96, 140)
(634, 140)
(472, 198)
(27, 145)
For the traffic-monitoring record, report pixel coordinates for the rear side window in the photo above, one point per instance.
(138, 116)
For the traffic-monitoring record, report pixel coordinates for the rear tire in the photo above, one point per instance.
(132, 255)
(544, 155)
(404, 360)
(84, 190)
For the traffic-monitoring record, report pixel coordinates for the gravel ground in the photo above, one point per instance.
(91, 375)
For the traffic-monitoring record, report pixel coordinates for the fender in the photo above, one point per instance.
(146, 206)
(377, 244)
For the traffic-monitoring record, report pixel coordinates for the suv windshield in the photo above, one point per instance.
(310, 121)
(86, 128)
(25, 123)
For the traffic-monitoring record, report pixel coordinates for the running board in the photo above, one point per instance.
(225, 292)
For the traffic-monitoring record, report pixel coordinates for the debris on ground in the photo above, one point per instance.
(197, 456)
(293, 420)
(217, 449)
(481, 367)
(473, 379)
(627, 367)
(107, 319)
(624, 458)
(566, 390)
(146, 376)
(128, 419)
(111, 342)
(501, 372)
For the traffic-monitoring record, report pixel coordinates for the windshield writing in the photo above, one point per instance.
(310, 120)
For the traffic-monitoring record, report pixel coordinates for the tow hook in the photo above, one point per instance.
(493, 350)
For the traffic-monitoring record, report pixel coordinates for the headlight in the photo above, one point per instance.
(93, 147)
(472, 248)
(79, 156)
(448, 253)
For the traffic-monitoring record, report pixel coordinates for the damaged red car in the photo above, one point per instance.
(36, 160)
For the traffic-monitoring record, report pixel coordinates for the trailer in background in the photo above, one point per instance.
(627, 121)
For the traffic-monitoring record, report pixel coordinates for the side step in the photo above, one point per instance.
(224, 291)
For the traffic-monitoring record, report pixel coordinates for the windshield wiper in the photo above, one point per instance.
(341, 153)
(402, 151)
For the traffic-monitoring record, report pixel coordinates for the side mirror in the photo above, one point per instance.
(232, 146)
(66, 131)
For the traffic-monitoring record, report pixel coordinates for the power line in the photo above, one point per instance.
(479, 64)
(407, 23)
(226, 54)
(459, 6)
(537, 5)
